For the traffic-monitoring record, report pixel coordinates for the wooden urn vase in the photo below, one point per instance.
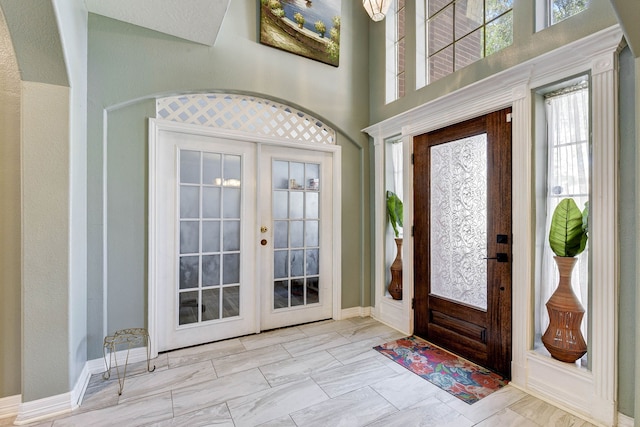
(563, 338)
(395, 286)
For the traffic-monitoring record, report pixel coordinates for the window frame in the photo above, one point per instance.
(395, 51)
(422, 40)
(544, 14)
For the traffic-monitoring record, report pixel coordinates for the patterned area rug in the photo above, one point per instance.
(459, 377)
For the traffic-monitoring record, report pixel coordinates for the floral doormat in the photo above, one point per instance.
(459, 377)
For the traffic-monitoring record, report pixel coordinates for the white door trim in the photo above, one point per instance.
(156, 126)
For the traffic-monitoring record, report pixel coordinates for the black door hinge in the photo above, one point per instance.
(413, 303)
(413, 229)
(412, 158)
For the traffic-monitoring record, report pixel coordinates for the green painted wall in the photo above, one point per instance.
(36, 40)
(45, 305)
(130, 65)
(46, 311)
(10, 242)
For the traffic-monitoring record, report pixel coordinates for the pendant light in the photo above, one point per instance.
(376, 9)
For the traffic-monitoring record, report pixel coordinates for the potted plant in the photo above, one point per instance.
(395, 213)
(299, 19)
(568, 236)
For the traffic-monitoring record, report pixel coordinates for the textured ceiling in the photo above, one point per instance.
(194, 20)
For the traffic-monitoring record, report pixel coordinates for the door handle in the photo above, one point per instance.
(500, 257)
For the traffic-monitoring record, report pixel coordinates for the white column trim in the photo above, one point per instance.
(604, 236)
(522, 227)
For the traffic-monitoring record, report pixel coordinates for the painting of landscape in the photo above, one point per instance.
(309, 28)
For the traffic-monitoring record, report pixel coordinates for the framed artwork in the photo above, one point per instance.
(309, 28)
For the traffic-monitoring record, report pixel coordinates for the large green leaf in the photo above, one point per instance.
(395, 211)
(566, 235)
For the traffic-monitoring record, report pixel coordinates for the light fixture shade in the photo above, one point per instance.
(376, 9)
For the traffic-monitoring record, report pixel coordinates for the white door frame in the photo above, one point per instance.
(156, 126)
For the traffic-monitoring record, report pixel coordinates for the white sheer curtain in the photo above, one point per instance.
(396, 167)
(567, 176)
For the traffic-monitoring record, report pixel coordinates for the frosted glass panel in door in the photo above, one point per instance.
(295, 196)
(458, 226)
(209, 255)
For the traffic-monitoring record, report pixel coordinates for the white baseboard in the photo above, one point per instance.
(9, 406)
(80, 387)
(625, 421)
(41, 409)
(346, 313)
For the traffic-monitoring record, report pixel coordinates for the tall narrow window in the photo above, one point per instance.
(395, 51)
(567, 176)
(550, 12)
(393, 183)
(454, 34)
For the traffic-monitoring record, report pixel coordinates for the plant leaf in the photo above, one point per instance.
(395, 211)
(585, 227)
(566, 234)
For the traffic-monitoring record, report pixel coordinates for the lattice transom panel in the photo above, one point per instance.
(244, 113)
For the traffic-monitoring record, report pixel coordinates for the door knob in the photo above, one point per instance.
(263, 229)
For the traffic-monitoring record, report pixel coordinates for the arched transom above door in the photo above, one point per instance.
(246, 114)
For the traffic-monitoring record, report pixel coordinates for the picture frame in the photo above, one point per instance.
(309, 28)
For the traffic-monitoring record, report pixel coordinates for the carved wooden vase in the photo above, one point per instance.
(563, 337)
(395, 286)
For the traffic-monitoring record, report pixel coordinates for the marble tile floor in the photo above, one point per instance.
(319, 374)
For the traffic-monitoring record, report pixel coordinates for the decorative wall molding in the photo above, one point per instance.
(244, 113)
(589, 393)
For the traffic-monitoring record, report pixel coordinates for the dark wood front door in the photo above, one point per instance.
(462, 239)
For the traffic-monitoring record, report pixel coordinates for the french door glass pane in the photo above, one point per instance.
(189, 236)
(295, 196)
(211, 202)
(297, 234)
(189, 201)
(459, 220)
(209, 257)
(280, 234)
(210, 236)
(212, 169)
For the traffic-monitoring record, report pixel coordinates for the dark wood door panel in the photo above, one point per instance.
(459, 326)
(468, 348)
(483, 336)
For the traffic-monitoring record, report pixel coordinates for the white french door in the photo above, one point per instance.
(296, 236)
(241, 236)
(205, 211)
